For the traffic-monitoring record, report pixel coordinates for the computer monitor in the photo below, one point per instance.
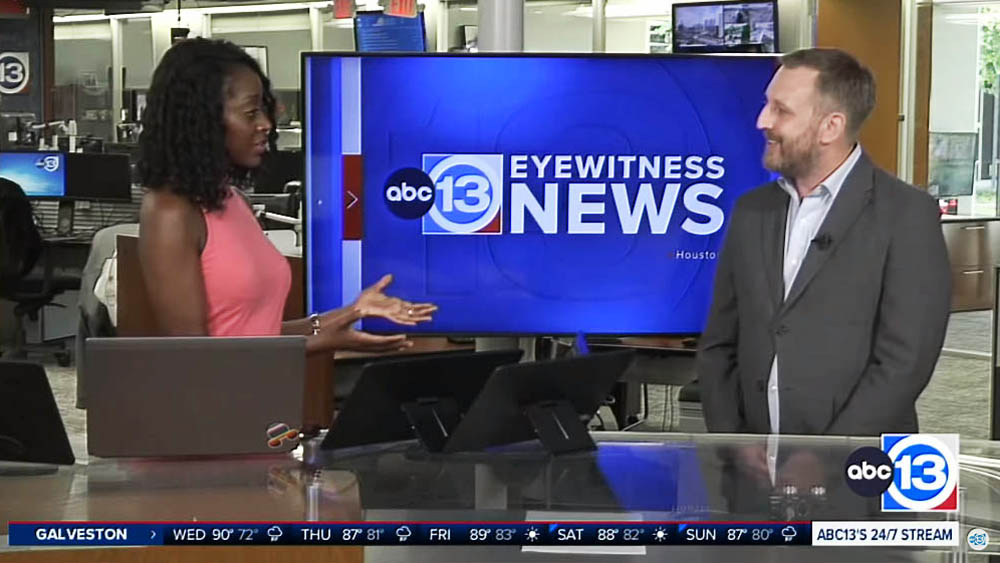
(98, 177)
(726, 27)
(69, 176)
(378, 32)
(394, 397)
(42, 175)
(549, 400)
(14, 129)
(278, 168)
(528, 194)
(130, 149)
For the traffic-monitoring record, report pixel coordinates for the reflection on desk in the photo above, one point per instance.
(249, 488)
(239, 488)
(652, 477)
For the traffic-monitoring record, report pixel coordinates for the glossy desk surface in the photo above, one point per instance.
(632, 476)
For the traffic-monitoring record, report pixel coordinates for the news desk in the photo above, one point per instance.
(631, 477)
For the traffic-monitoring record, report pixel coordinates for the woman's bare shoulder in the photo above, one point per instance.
(166, 213)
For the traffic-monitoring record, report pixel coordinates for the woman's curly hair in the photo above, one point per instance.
(183, 142)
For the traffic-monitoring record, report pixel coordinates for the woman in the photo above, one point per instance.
(208, 267)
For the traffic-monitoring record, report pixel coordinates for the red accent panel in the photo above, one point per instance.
(13, 8)
(353, 182)
(951, 503)
(495, 226)
(343, 9)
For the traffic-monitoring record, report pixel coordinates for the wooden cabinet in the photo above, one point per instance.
(973, 249)
(971, 288)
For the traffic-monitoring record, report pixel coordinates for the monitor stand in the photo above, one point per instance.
(558, 427)
(64, 218)
(433, 420)
(12, 449)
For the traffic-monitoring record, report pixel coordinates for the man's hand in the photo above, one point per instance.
(751, 460)
(803, 469)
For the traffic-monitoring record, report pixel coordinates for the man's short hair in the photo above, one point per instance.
(844, 81)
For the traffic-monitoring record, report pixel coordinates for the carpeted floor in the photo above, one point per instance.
(956, 400)
(969, 331)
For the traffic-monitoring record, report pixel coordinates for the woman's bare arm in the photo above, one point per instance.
(172, 234)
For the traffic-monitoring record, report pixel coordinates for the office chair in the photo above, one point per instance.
(26, 272)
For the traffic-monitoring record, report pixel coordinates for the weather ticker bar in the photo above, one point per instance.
(409, 533)
(912, 533)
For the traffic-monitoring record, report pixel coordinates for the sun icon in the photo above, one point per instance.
(532, 535)
(660, 534)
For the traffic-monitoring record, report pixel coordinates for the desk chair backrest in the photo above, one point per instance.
(20, 241)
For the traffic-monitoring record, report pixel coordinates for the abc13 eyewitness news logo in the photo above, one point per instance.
(911, 472)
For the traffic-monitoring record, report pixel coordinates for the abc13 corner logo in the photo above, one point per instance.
(452, 194)
(911, 472)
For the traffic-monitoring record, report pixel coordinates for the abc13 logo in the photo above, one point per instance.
(911, 472)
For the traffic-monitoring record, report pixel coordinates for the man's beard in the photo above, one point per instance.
(792, 158)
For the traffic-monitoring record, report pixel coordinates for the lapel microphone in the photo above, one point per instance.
(823, 241)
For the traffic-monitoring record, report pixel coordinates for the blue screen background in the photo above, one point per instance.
(23, 169)
(533, 282)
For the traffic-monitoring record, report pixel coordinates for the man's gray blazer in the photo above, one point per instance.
(861, 329)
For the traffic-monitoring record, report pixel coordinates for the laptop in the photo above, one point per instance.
(540, 400)
(397, 400)
(31, 428)
(194, 396)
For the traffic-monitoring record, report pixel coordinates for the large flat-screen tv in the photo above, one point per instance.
(528, 194)
(375, 32)
(726, 27)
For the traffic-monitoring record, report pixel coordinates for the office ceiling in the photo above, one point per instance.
(143, 5)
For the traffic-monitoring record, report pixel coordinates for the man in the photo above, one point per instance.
(833, 286)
